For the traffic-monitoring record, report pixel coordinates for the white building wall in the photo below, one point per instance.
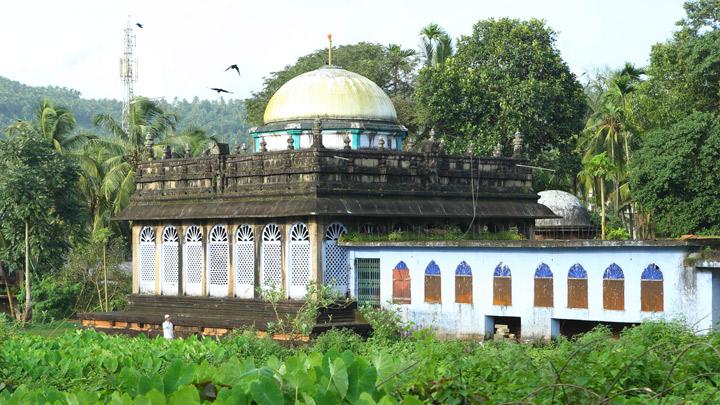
(684, 297)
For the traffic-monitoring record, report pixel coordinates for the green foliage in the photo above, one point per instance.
(441, 234)
(390, 67)
(37, 187)
(387, 325)
(650, 363)
(617, 234)
(339, 340)
(675, 175)
(506, 75)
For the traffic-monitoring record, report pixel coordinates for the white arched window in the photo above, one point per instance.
(298, 260)
(146, 260)
(193, 261)
(336, 266)
(244, 261)
(218, 262)
(271, 257)
(169, 261)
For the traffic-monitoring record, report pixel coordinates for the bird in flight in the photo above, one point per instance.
(237, 69)
(220, 90)
(139, 25)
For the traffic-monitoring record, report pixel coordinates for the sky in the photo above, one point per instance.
(185, 46)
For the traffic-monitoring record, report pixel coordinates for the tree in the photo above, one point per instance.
(391, 68)
(117, 157)
(676, 173)
(435, 45)
(598, 168)
(56, 124)
(38, 208)
(507, 75)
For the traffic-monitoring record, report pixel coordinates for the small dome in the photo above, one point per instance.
(565, 205)
(330, 93)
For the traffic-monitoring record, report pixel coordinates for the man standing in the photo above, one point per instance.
(167, 328)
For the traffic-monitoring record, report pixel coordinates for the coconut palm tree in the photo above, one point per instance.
(55, 123)
(435, 44)
(598, 168)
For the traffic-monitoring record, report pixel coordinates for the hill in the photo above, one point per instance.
(224, 119)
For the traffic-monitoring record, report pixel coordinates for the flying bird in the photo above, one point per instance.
(220, 90)
(237, 69)
(139, 25)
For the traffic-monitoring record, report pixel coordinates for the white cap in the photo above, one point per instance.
(167, 316)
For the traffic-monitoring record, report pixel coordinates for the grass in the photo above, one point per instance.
(50, 329)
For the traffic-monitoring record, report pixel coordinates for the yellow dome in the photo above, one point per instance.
(330, 92)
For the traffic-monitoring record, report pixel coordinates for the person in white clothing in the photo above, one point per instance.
(167, 328)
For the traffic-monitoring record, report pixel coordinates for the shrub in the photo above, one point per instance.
(387, 325)
(339, 340)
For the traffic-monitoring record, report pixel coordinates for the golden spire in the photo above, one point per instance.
(329, 49)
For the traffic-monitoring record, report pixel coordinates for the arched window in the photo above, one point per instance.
(651, 289)
(614, 288)
(146, 260)
(271, 257)
(218, 266)
(463, 284)
(193, 261)
(577, 287)
(543, 286)
(502, 285)
(244, 261)
(299, 260)
(433, 283)
(401, 283)
(170, 260)
(336, 264)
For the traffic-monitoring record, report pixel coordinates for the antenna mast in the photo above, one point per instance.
(128, 74)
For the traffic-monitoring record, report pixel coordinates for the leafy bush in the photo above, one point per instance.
(339, 340)
(617, 234)
(386, 324)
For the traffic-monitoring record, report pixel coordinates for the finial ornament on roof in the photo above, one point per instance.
(263, 145)
(518, 148)
(497, 151)
(149, 144)
(317, 134)
(167, 153)
(187, 151)
(291, 143)
(329, 49)
(346, 141)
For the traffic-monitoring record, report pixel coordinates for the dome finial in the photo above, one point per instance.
(329, 49)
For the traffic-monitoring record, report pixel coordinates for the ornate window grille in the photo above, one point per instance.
(336, 264)
(271, 257)
(146, 261)
(244, 261)
(299, 260)
(218, 266)
(193, 261)
(170, 260)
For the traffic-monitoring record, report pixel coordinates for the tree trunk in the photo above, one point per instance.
(28, 301)
(105, 276)
(602, 208)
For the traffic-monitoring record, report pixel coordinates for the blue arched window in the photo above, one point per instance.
(433, 285)
(502, 285)
(463, 283)
(614, 288)
(651, 289)
(543, 286)
(401, 283)
(577, 287)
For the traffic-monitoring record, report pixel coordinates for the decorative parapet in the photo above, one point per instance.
(333, 172)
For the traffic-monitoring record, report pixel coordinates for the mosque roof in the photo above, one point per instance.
(330, 93)
(565, 205)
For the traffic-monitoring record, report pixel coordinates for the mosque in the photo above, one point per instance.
(331, 158)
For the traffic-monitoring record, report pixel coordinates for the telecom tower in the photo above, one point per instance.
(128, 74)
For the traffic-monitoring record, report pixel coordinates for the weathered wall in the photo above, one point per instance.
(692, 303)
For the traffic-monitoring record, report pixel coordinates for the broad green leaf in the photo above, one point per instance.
(266, 392)
(186, 395)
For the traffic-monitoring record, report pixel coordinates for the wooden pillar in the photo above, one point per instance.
(135, 239)
(257, 232)
(158, 251)
(182, 227)
(284, 254)
(206, 235)
(316, 228)
(231, 226)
